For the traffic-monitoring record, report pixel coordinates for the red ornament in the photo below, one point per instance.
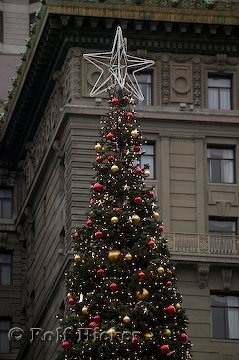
(138, 170)
(99, 159)
(100, 273)
(150, 194)
(117, 209)
(168, 283)
(164, 349)
(98, 234)
(71, 301)
(75, 235)
(97, 187)
(135, 340)
(170, 310)
(137, 148)
(151, 244)
(89, 223)
(110, 136)
(93, 324)
(129, 115)
(183, 337)
(113, 287)
(141, 275)
(97, 318)
(114, 101)
(66, 344)
(111, 158)
(138, 200)
(169, 272)
(161, 228)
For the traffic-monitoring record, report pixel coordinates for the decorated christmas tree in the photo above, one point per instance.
(122, 296)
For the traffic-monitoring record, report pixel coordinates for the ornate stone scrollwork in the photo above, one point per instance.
(226, 278)
(203, 273)
(165, 79)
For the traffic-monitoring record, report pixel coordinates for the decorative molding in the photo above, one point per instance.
(222, 197)
(226, 278)
(181, 83)
(203, 274)
(165, 79)
(223, 207)
(197, 75)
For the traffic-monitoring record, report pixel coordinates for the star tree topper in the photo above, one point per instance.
(119, 67)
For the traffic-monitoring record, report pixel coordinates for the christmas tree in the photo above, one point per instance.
(122, 295)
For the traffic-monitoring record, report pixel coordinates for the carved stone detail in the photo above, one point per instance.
(67, 89)
(226, 278)
(165, 79)
(181, 83)
(223, 207)
(203, 274)
(197, 84)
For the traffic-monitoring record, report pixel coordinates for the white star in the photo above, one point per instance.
(120, 67)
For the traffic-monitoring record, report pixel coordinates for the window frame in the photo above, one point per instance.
(228, 76)
(233, 159)
(1, 27)
(226, 326)
(9, 320)
(2, 199)
(150, 84)
(2, 264)
(223, 219)
(150, 143)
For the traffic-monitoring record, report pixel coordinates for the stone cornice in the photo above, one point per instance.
(221, 12)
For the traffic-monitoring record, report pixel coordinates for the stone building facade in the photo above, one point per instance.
(190, 119)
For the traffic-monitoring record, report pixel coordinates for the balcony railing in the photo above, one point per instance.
(203, 244)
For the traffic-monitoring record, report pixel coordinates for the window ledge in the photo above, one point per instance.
(222, 184)
(224, 340)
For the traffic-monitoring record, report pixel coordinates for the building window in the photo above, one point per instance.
(5, 268)
(1, 26)
(5, 203)
(5, 325)
(145, 84)
(219, 92)
(221, 165)
(148, 159)
(222, 226)
(225, 316)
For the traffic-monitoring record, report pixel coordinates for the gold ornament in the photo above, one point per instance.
(155, 216)
(114, 169)
(160, 270)
(77, 257)
(126, 319)
(167, 332)
(114, 255)
(111, 332)
(135, 133)
(114, 220)
(69, 295)
(85, 310)
(148, 335)
(128, 257)
(142, 295)
(178, 306)
(136, 219)
(98, 147)
(92, 214)
(146, 173)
